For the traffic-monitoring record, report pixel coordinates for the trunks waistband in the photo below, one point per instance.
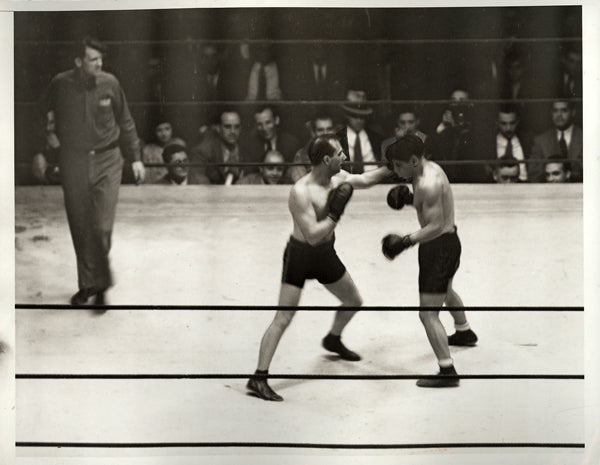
(323, 245)
(442, 236)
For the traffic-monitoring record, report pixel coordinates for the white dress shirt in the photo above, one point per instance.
(517, 152)
(365, 144)
(568, 134)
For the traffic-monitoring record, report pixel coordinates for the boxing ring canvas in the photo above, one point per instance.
(222, 246)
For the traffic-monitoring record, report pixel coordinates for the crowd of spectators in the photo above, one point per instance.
(279, 101)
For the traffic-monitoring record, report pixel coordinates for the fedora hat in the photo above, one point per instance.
(357, 103)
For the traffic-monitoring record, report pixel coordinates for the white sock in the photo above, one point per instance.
(462, 327)
(445, 362)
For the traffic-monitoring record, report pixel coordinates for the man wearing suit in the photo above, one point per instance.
(220, 146)
(509, 142)
(362, 145)
(316, 75)
(265, 137)
(319, 125)
(407, 123)
(458, 138)
(564, 138)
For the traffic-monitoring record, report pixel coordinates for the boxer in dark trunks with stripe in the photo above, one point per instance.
(316, 202)
(439, 249)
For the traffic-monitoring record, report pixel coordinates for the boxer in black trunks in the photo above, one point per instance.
(439, 249)
(316, 202)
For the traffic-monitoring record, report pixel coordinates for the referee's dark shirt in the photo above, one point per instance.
(91, 114)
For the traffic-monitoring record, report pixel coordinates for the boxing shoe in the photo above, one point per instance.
(334, 344)
(261, 389)
(463, 338)
(82, 296)
(443, 379)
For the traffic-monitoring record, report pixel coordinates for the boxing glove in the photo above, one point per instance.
(399, 196)
(392, 245)
(337, 200)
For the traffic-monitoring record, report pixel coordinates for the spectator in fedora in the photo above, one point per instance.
(360, 143)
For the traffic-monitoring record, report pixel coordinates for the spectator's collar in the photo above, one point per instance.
(567, 132)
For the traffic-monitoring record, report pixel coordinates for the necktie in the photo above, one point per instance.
(358, 157)
(508, 152)
(268, 146)
(562, 144)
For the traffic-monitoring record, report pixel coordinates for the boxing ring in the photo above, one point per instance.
(197, 269)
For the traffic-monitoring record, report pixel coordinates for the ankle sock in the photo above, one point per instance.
(464, 327)
(445, 362)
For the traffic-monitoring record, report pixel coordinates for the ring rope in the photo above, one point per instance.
(521, 308)
(311, 41)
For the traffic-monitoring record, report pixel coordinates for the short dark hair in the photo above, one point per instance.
(507, 162)
(558, 158)
(407, 109)
(224, 110)
(170, 150)
(509, 108)
(88, 42)
(404, 148)
(320, 115)
(564, 99)
(320, 147)
(260, 108)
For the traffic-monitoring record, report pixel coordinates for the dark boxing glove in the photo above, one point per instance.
(393, 245)
(399, 196)
(337, 200)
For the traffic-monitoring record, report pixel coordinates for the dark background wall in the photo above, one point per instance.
(394, 54)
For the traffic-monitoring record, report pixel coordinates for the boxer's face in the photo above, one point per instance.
(338, 157)
(404, 169)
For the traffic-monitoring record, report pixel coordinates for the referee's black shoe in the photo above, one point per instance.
(82, 296)
(334, 344)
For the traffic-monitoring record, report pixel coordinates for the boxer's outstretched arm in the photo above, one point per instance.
(366, 179)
